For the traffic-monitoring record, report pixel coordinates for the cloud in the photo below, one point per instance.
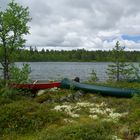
(88, 24)
(3, 4)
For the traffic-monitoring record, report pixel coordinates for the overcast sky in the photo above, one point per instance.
(88, 24)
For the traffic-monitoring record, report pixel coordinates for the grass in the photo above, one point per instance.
(48, 117)
(121, 84)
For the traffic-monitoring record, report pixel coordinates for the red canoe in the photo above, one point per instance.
(37, 86)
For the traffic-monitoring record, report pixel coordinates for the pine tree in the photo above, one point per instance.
(119, 70)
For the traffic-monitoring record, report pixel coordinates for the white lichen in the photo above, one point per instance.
(114, 116)
(40, 92)
(54, 89)
(93, 116)
(67, 109)
(68, 120)
(94, 110)
(115, 138)
(84, 104)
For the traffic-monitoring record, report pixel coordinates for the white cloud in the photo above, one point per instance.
(88, 24)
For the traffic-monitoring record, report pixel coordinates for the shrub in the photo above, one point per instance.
(87, 131)
(20, 75)
(132, 119)
(7, 92)
(4, 101)
(94, 77)
(52, 95)
(26, 116)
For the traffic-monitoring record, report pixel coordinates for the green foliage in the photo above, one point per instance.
(4, 101)
(136, 71)
(20, 75)
(94, 77)
(52, 96)
(83, 131)
(32, 55)
(120, 70)
(7, 92)
(13, 25)
(26, 116)
(132, 119)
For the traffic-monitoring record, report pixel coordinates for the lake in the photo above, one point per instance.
(59, 70)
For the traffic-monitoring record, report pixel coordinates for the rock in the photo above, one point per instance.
(63, 99)
(40, 92)
(138, 138)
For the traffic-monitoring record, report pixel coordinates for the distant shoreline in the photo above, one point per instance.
(72, 56)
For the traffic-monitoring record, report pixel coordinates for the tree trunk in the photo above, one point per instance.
(6, 64)
(6, 72)
(118, 72)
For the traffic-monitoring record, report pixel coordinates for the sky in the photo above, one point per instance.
(82, 24)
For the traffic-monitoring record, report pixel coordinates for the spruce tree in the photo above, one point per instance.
(119, 70)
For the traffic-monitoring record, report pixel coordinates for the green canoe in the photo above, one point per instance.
(104, 90)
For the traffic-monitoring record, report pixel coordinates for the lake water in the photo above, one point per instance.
(59, 70)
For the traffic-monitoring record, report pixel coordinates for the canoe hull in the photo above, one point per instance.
(37, 86)
(109, 91)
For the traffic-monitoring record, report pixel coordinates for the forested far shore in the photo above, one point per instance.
(79, 55)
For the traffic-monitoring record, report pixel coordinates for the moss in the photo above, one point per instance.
(83, 131)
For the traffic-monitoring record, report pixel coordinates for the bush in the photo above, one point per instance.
(87, 131)
(4, 101)
(52, 95)
(26, 116)
(132, 119)
(94, 77)
(20, 75)
(7, 92)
